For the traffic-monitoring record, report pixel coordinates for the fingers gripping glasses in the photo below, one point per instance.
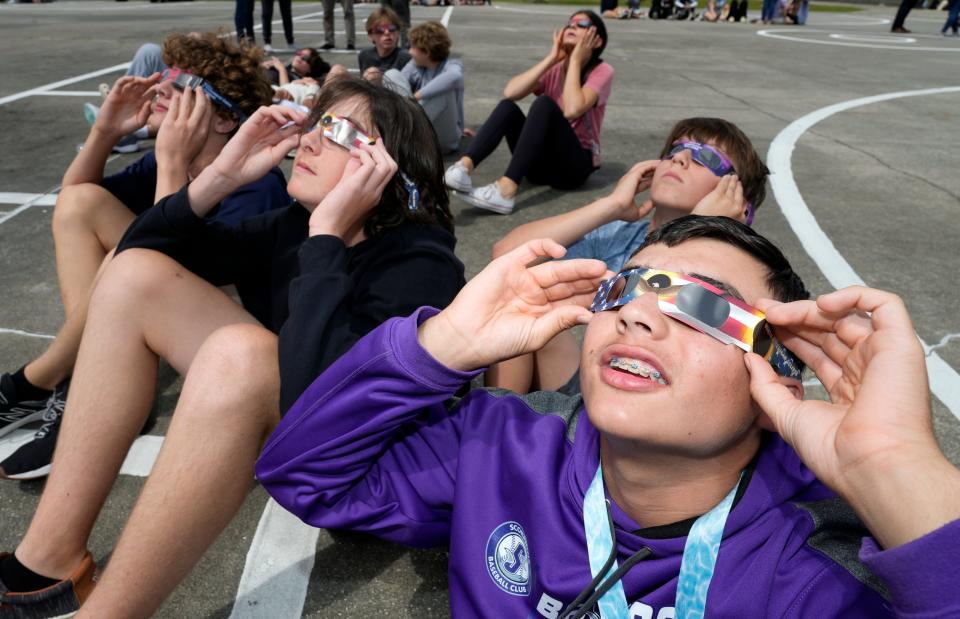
(343, 132)
(713, 159)
(703, 307)
(183, 79)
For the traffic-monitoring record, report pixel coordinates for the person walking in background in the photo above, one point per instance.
(267, 18)
(347, 19)
(952, 19)
(905, 6)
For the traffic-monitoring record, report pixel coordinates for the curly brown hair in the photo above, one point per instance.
(383, 14)
(433, 39)
(232, 68)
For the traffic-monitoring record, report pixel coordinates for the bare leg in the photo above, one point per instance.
(508, 187)
(145, 306)
(548, 369)
(57, 361)
(556, 362)
(226, 411)
(467, 163)
(87, 223)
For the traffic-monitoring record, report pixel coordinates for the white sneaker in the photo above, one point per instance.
(268, 48)
(489, 198)
(457, 178)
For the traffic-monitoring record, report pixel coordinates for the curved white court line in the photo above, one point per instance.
(777, 34)
(944, 380)
(873, 38)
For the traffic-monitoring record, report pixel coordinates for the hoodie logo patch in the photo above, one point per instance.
(508, 558)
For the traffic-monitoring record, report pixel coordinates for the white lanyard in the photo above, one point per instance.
(696, 568)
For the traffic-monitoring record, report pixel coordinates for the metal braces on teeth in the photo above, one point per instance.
(636, 369)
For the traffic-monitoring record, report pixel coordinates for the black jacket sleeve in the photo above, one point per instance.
(217, 252)
(331, 309)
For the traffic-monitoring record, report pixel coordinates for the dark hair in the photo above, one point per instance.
(595, 58)
(318, 66)
(783, 282)
(231, 67)
(410, 140)
(433, 38)
(731, 140)
(381, 14)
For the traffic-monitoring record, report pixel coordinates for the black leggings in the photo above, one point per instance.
(545, 149)
(285, 15)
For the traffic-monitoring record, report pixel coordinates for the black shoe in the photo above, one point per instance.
(15, 413)
(62, 599)
(33, 459)
(327, 46)
(351, 46)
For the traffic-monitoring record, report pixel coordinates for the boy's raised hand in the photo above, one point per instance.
(726, 200)
(184, 129)
(509, 309)
(637, 180)
(127, 106)
(873, 442)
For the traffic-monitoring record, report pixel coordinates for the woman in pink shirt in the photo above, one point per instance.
(558, 142)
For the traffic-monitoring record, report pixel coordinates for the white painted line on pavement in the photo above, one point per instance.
(139, 462)
(36, 199)
(445, 20)
(944, 380)
(29, 203)
(72, 80)
(778, 34)
(142, 455)
(69, 93)
(277, 572)
(43, 336)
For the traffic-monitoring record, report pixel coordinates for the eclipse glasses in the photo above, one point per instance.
(184, 79)
(703, 307)
(711, 158)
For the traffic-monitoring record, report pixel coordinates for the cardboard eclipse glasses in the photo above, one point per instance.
(184, 79)
(711, 158)
(703, 307)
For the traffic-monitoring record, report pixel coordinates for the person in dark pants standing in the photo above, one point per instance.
(905, 6)
(285, 14)
(243, 19)
(347, 19)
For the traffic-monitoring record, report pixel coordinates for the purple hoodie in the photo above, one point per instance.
(371, 446)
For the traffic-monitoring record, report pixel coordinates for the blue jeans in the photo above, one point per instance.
(769, 10)
(953, 17)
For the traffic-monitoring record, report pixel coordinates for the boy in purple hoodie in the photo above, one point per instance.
(661, 493)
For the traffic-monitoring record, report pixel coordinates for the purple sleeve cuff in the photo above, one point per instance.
(417, 362)
(920, 575)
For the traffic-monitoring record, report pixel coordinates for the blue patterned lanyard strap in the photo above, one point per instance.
(696, 568)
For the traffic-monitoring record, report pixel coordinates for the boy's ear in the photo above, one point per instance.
(223, 125)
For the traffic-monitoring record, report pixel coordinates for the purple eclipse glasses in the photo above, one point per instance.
(714, 160)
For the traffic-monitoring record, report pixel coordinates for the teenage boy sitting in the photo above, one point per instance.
(93, 211)
(624, 497)
(680, 183)
(435, 80)
(383, 28)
